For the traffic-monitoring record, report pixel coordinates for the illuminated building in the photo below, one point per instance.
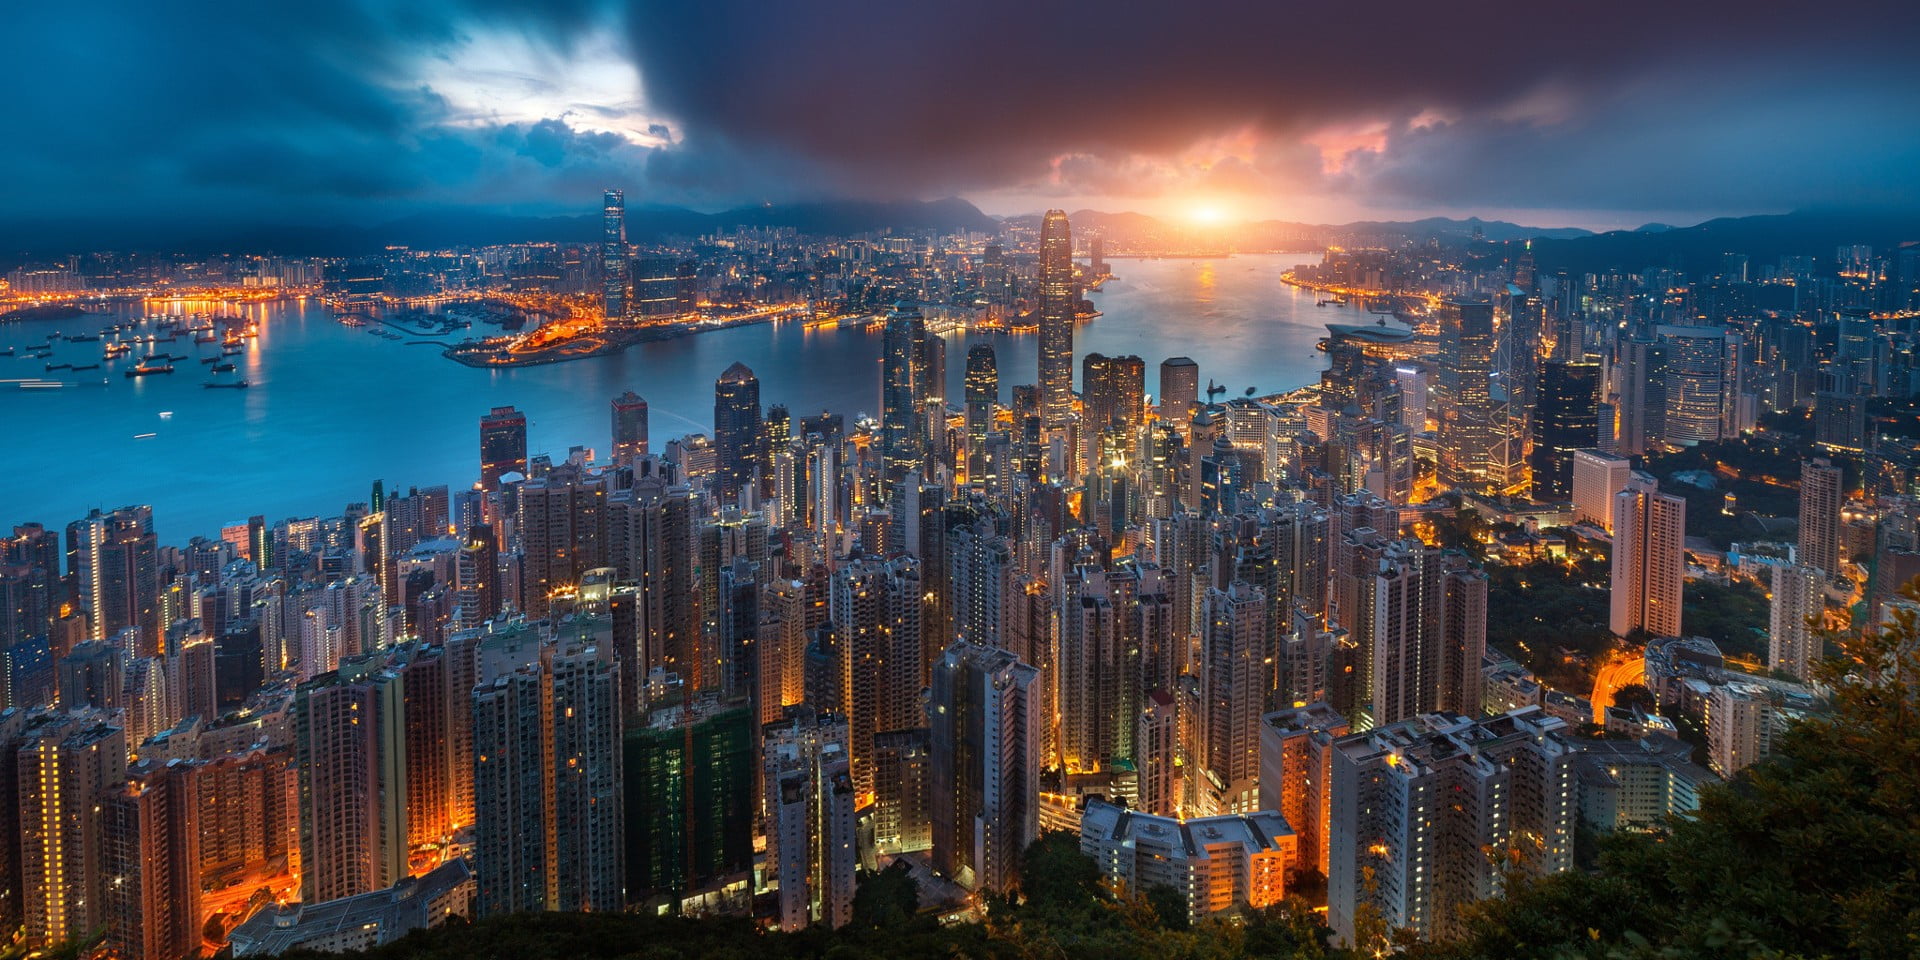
(1821, 498)
(1056, 310)
(114, 575)
(650, 544)
(1214, 864)
(736, 432)
(1467, 428)
(613, 253)
(1566, 421)
(1419, 806)
(548, 785)
(1233, 658)
(350, 748)
(1793, 646)
(1114, 392)
(1739, 726)
(503, 445)
(1638, 784)
(982, 393)
(1696, 389)
(66, 765)
(1179, 389)
(562, 522)
(1110, 623)
(1159, 759)
(809, 812)
(151, 861)
(905, 377)
(629, 428)
(986, 736)
(876, 609)
(361, 922)
(1640, 397)
(1296, 764)
(1649, 559)
(656, 288)
(1597, 476)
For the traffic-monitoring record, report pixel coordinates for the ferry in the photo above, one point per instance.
(144, 369)
(145, 436)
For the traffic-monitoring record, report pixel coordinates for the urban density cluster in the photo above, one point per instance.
(1238, 646)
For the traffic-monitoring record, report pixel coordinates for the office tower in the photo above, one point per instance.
(876, 609)
(613, 253)
(1516, 390)
(113, 571)
(690, 800)
(1566, 421)
(1179, 390)
(65, 767)
(1640, 396)
(1839, 409)
(1467, 430)
(350, 747)
(656, 288)
(1649, 559)
(151, 858)
(982, 393)
(1296, 764)
(1056, 309)
(1794, 646)
(1234, 656)
(986, 722)
(1114, 393)
(1821, 498)
(503, 445)
(1739, 726)
(1597, 476)
(1428, 814)
(904, 380)
(736, 431)
(809, 810)
(1111, 623)
(1696, 390)
(548, 784)
(629, 428)
(1212, 864)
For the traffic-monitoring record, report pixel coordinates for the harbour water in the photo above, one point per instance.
(331, 408)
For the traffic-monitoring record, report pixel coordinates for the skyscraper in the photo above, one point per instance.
(1597, 476)
(986, 720)
(1820, 502)
(349, 744)
(65, 765)
(1234, 654)
(613, 253)
(113, 568)
(1566, 420)
(1179, 389)
(736, 430)
(1793, 646)
(1649, 559)
(1467, 430)
(809, 810)
(1056, 319)
(905, 377)
(982, 393)
(503, 445)
(629, 428)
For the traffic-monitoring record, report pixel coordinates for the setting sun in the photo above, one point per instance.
(1207, 214)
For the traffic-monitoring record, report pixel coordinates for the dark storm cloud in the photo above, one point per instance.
(926, 97)
(319, 111)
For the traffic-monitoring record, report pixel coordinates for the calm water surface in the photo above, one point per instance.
(331, 408)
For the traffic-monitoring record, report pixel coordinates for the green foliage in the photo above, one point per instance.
(1169, 905)
(1536, 611)
(1733, 615)
(1054, 874)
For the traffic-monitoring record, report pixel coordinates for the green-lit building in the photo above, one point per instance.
(690, 801)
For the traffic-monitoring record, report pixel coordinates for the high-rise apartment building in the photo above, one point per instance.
(113, 572)
(1649, 559)
(1296, 769)
(1739, 726)
(1597, 477)
(986, 723)
(350, 748)
(66, 766)
(1056, 310)
(809, 814)
(876, 609)
(1427, 813)
(1793, 617)
(1821, 498)
(1214, 864)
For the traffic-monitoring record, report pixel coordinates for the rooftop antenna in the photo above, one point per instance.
(1213, 389)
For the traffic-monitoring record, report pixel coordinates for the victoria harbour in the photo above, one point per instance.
(330, 408)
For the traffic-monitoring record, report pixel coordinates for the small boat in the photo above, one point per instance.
(236, 385)
(223, 368)
(8, 352)
(144, 369)
(145, 436)
(58, 366)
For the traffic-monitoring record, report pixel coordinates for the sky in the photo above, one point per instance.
(1550, 113)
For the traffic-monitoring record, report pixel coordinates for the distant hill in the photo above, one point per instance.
(1764, 239)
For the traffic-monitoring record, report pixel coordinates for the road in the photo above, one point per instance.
(1613, 676)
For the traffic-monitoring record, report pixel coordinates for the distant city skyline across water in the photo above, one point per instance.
(332, 408)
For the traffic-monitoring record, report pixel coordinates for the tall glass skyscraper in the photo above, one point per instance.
(1056, 318)
(736, 429)
(613, 253)
(903, 381)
